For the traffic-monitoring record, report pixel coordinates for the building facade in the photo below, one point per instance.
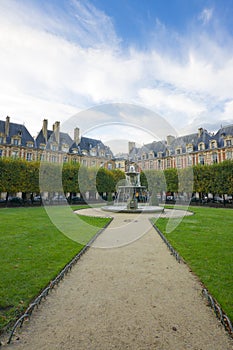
(53, 145)
(185, 151)
(56, 146)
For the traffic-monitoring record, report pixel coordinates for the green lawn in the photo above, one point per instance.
(33, 251)
(205, 241)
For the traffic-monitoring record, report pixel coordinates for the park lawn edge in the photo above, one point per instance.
(207, 276)
(17, 310)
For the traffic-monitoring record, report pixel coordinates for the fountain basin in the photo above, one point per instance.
(139, 209)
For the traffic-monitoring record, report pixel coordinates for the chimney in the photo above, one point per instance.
(56, 130)
(200, 132)
(170, 139)
(76, 135)
(7, 126)
(131, 146)
(45, 129)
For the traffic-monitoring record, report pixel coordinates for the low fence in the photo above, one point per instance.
(52, 284)
(211, 301)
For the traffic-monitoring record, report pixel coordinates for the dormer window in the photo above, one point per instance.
(30, 144)
(144, 156)
(178, 151)
(74, 150)
(42, 145)
(65, 148)
(201, 146)
(151, 155)
(228, 143)
(16, 141)
(93, 152)
(213, 144)
(160, 154)
(189, 148)
(54, 147)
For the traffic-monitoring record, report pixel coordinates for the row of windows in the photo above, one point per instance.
(189, 149)
(179, 161)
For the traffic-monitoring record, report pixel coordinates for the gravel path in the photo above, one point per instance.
(134, 296)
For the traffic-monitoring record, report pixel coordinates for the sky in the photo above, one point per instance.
(172, 57)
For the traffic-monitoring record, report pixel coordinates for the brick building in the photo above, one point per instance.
(52, 145)
(184, 151)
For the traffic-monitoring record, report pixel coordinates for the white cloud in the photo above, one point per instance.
(55, 65)
(177, 102)
(206, 15)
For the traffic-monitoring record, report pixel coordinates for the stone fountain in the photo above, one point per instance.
(132, 197)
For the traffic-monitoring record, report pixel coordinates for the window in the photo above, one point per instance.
(29, 156)
(190, 160)
(178, 151)
(213, 144)
(189, 149)
(84, 162)
(65, 148)
(42, 157)
(214, 158)
(53, 159)
(109, 166)
(229, 155)
(14, 154)
(1, 139)
(201, 146)
(93, 152)
(54, 147)
(42, 146)
(151, 164)
(15, 142)
(159, 164)
(1, 152)
(168, 163)
(93, 163)
(151, 155)
(228, 143)
(30, 144)
(201, 159)
(65, 159)
(178, 162)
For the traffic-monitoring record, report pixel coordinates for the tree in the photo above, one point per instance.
(70, 179)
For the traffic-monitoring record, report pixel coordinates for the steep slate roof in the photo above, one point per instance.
(17, 130)
(181, 141)
(156, 146)
(225, 131)
(194, 139)
(87, 144)
(64, 139)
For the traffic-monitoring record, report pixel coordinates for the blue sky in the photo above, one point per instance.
(174, 57)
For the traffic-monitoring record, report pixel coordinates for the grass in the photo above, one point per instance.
(33, 251)
(205, 241)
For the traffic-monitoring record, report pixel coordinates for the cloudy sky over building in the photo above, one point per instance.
(174, 57)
